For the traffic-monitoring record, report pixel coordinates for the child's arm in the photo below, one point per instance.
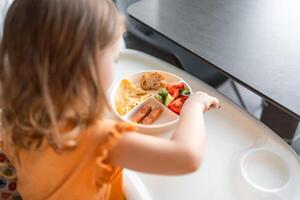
(182, 154)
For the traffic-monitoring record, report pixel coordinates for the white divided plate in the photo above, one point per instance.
(168, 118)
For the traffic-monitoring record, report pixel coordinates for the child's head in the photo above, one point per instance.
(55, 60)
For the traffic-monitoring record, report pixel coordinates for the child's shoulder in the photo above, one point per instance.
(106, 130)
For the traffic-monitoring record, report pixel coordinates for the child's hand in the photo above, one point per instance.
(206, 101)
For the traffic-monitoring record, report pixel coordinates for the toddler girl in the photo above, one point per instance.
(56, 63)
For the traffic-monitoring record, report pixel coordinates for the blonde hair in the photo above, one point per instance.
(49, 66)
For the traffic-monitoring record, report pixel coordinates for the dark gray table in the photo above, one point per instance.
(256, 43)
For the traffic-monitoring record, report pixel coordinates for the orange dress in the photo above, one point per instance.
(78, 174)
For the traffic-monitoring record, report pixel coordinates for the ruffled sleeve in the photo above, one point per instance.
(106, 173)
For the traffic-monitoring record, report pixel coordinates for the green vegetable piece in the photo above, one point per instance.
(164, 92)
(185, 91)
(159, 98)
(168, 99)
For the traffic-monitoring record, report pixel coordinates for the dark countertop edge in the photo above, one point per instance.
(278, 105)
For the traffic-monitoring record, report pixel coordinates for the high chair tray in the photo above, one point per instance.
(243, 159)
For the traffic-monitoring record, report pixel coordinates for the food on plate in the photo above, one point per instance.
(152, 81)
(177, 104)
(152, 116)
(173, 96)
(141, 113)
(147, 114)
(164, 97)
(128, 96)
(185, 92)
(178, 89)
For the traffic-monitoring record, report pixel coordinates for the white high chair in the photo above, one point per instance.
(133, 187)
(244, 159)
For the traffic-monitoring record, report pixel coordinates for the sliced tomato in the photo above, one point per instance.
(184, 98)
(174, 91)
(177, 104)
(180, 85)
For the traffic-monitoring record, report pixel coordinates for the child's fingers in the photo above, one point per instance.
(208, 101)
(213, 104)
